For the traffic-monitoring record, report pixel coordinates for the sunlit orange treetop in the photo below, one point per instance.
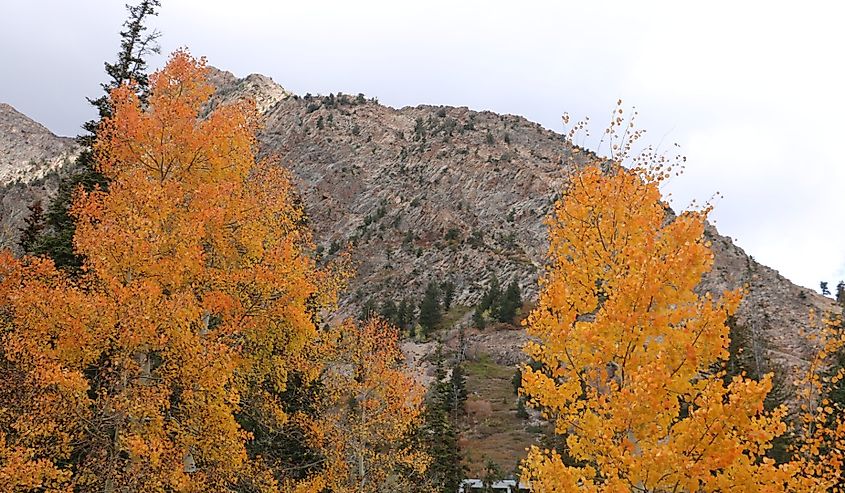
(199, 298)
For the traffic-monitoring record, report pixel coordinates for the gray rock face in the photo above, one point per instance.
(774, 311)
(28, 151)
(31, 159)
(436, 199)
(442, 193)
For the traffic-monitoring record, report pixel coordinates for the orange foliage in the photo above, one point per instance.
(820, 428)
(627, 347)
(197, 295)
(373, 409)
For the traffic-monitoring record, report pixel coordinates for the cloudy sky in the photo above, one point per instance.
(751, 91)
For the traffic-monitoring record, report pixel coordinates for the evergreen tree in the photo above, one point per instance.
(368, 310)
(740, 356)
(492, 295)
(521, 412)
(405, 313)
(445, 470)
(509, 303)
(498, 305)
(34, 225)
(56, 239)
(824, 289)
(430, 314)
(389, 312)
(478, 318)
(458, 390)
(745, 359)
(287, 447)
(440, 432)
(492, 474)
(448, 294)
(516, 380)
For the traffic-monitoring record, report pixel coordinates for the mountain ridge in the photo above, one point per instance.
(31, 160)
(436, 193)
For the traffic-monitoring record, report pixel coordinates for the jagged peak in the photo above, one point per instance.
(28, 149)
(260, 88)
(12, 120)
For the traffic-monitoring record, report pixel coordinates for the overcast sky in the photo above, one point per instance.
(751, 91)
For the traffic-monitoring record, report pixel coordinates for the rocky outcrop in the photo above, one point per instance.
(28, 151)
(260, 88)
(31, 160)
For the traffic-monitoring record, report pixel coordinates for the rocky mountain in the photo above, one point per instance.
(442, 193)
(424, 193)
(31, 159)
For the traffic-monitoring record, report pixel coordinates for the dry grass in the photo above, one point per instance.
(478, 410)
(492, 430)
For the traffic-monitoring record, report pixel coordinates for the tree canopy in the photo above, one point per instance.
(194, 299)
(626, 347)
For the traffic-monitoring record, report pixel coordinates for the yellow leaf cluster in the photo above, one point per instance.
(819, 447)
(627, 350)
(374, 405)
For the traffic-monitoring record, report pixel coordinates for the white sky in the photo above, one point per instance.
(749, 89)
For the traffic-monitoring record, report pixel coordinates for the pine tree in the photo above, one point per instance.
(509, 303)
(521, 412)
(405, 313)
(448, 294)
(430, 314)
(458, 390)
(56, 240)
(492, 474)
(478, 318)
(440, 432)
(389, 312)
(368, 310)
(287, 446)
(491, 296)
(33, 227)
(745, 361)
